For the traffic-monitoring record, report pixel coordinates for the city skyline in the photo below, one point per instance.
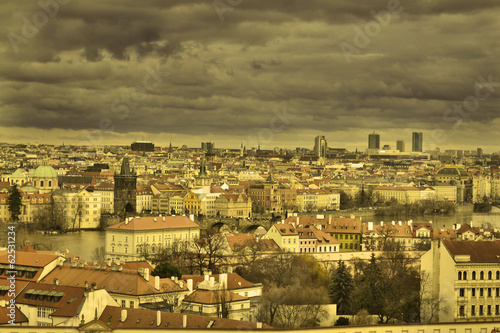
(254, 72)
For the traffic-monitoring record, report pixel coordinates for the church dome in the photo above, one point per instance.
(45, 171)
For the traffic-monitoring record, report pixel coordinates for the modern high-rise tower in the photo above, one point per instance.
(374, 141)
(400, 145)
(417, 141)
(320, 146)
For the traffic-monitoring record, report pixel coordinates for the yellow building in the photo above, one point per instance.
(191, 204)
(465, 278)
(125, 239)
(233, 205)
(285, 235)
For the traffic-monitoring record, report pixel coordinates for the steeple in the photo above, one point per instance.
(125, 169)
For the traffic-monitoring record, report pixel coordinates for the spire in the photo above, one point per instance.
(271, 178)
(203, 169)
(125, 170)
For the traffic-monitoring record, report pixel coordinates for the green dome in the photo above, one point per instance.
(45, 171)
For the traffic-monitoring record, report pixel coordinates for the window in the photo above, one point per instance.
(498, 275)
(481, 292)
(473, 292)
(489, 310)
(489, 292)
(473, 310)
(473, 275)
(465, 275)
(481, 310)
(497, 310)
(459, 275)
(481, 275)
(123, 304)
(497, 292)
(132, 304)
(490, 275)
(462, 292)
(462, 310)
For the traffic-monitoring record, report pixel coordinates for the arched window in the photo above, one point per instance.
(498, 275)
(490, 275)
(465, 275)
(481, 275)
(459, 275)
(473, 275)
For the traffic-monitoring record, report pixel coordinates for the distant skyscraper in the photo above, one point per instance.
(320, 146)
(417, 141)
(480, 152)
(374, 141)
(400, 145)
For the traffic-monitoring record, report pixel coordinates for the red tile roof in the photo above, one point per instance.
(213, 297)
(234, 280)
(146, 319)
(480, 251)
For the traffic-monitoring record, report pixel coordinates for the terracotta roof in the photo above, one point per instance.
(444, 234)
(5, 285)
(213, 297)
(234, 280)
(403, 188)
(66, 300)
(155, 223)
(29, 258)
(465, 227)
(127, 281)
(480, 251)
(424, 225)
(19, 317)
(145, 319)
(320, 236)
(285, 229)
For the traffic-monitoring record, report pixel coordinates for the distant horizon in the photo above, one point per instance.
(278, 73)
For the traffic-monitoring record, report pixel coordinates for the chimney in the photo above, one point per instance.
(56, 282)
(393, 222)
(329, 219)
(146, 274)
(370, 226)
(298, 218)
(154, 219)
(223, 280)
(109, 262)
(184, 321)
(381, 223)
(211, 283)
(163, 218)
(206, 278)
(158, 318)
(259, 324)
(157, 282)
(123, 316)
(400, 223)
(118, 261)
(181, 284)
(191, 217)
(190, 284)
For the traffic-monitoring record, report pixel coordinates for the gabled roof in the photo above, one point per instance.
(234, 280)
(127, 281)
(285, 229)
(213, 297)
(66, 300)
(146, 319)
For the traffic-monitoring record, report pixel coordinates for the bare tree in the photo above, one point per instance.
(99, 254)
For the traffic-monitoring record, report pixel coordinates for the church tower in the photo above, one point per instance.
(203, 179)
(125, 190)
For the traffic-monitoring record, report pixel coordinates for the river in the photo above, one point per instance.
(83, 243)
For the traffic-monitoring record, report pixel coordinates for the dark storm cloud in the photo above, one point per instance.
(91, 68)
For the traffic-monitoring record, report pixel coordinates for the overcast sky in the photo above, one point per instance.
(277, 72)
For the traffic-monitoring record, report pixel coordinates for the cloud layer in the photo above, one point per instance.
(110, 72)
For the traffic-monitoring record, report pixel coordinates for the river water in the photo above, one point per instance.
(83, 243)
